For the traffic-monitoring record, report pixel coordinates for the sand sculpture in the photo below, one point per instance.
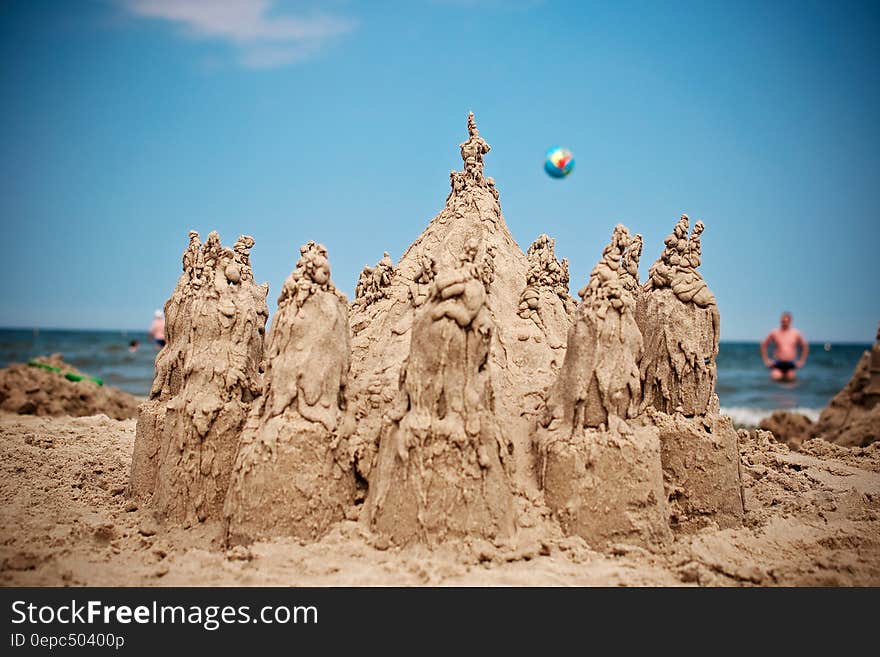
(439, 471)
(546, 275)
(460, 392)
(206, 379)
(292, 475)
(373, 282)
(599, 426)
(522, 356)
(583, 434)
(680, 324)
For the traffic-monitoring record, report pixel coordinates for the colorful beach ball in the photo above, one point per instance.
(559, 162)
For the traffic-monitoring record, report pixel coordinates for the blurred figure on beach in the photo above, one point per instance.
(786, 341)
(157, 328)
(133, 346)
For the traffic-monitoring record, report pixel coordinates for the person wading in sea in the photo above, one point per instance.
(786, 341)
(157, 329)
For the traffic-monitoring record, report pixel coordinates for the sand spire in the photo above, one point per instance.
(601, 474)
(522, 355)
(373, 282)
(680, 324)
(439, 472)
(292, 476)
(679, 320)
(600, 374)
(545, 275)
(206, 379)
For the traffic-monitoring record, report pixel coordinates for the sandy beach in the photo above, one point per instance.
(812, 518)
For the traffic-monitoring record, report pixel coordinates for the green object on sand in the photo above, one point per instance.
(70, 376)
(45, 366)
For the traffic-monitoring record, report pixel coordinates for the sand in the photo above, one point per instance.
(812, 518)
(30, 390)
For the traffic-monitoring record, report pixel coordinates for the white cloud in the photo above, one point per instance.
(275, 56)
(262, 37)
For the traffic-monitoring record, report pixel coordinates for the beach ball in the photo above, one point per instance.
(559, 162)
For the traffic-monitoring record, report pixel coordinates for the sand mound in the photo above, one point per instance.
(789, 427)
(36, 390)
(853, 416)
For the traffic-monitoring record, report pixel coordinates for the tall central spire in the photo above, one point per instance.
(472, 152)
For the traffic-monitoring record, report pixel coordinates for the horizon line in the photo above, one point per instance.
(144, 330)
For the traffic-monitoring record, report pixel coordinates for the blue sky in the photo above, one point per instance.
(126, 123)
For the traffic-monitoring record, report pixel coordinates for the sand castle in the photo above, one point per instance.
(292, 476)
(460, 392)
(439, 471)
(583, 435)
(600, 423)
(206, 379)
(523, 353)
(679, 320)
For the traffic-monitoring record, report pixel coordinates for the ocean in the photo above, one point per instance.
(747, 394)
(99, 353)
(744, 388)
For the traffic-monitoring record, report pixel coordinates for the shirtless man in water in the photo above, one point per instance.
(786, 341)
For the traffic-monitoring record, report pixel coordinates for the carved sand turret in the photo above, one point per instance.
(601, 475)
(679, 321)
(522, 357)
(439, 472)
(629, 275)
(373, 282)
(600, 375)
(680, 324)
(206, 379)
(546, 276)
(291, 475)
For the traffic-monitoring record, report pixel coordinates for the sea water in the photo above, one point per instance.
(746, 392)
(98, 353)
